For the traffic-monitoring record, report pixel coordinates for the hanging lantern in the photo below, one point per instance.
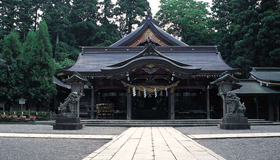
(161, 94)
(155, 92)
(139, 94)
(134, 92)
(127, 75)
(166, 91)
(145, 93)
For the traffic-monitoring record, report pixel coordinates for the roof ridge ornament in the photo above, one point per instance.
(150, 49)
(149, 17)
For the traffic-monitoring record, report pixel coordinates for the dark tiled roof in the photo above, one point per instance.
(75, 78)
(254, 87)
(226, 77)
(265, 69)
(61, 84)
(268, 76)
(94, 61)
(153, 59)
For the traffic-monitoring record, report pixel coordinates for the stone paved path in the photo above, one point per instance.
(61, 136)
(237, 135)
(153, 143)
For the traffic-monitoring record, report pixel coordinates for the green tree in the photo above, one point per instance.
(84, 17)
(56, 14)
(19, 15)
(268, 38)
(131, 12)
(9, 15)
(11, 75)
(42, 67)
(186, 19)
(237, 27)
(84, 10)
(109, 32)
(66, 55)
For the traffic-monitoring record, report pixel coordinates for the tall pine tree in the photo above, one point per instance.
(109, 32)
(42, 67)
(268, 38)
(131, 12)
(237, 28)
(56, 14)
(11, 76)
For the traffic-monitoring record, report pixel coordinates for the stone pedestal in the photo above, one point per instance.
(66, 123)
(238, 122)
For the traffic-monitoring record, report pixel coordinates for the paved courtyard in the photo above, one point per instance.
(135, 143)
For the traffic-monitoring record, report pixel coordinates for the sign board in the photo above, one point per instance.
(22, 101)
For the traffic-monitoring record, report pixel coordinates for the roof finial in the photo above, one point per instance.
(149, 17)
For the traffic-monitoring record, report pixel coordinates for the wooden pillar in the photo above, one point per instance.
(171, 104)
(270, 108)
(92, 103)
(208, 103)
(257, 107)
(278, 114)
(129, 101)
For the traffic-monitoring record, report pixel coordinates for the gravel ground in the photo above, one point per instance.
(239, 149)
(216, 130)
(48, 129)
(245, 149)
(46, 149)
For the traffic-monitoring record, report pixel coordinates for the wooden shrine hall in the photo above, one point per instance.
(149, 74)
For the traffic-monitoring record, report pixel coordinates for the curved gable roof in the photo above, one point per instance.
(147, 49)
(148, 24)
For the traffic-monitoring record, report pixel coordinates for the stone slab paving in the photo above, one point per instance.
(239, 135)
(153, 143)
(52, 136)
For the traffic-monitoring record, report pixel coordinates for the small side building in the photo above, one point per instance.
(261, 93)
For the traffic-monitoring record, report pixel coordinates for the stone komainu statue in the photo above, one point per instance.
(70, 103)
(234, 107)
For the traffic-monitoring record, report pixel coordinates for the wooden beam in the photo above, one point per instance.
(192, 87)
(92, 103)
(110, 87)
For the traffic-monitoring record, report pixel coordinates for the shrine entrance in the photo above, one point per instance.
(150, 107)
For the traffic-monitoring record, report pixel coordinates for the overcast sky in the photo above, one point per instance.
(155, 4)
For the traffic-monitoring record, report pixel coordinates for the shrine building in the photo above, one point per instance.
(149, 74)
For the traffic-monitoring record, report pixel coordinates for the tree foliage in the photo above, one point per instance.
(247, 32)
(131, 12)
(186, 19)
(11, 66)
(268, 37)
(109, 32)
(42, 68)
